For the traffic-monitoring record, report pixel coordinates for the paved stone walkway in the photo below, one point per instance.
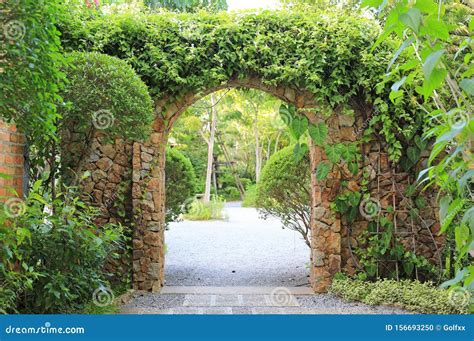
(245, 300)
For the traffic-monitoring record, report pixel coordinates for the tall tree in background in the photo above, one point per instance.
(210, 148)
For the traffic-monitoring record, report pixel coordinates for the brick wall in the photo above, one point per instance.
(12, 147)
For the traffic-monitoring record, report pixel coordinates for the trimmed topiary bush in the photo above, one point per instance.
(105, 93)
(284, 190)
(410, 295)
(180, 183)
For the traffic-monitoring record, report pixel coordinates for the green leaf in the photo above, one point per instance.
(332, 153)
(399, 51)
(426, 6)
(431, 62)
(398, 84)
(353, 167)
(298, 126)
(411, 19)
(453, 209)
(467, 85)
(322, 171)
(413, 154)
(436, 28)
(371, 3)
(318, 133)
(458, 278)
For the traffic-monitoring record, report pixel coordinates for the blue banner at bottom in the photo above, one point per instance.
(242, 327)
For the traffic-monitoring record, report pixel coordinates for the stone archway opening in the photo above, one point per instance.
(148, 188)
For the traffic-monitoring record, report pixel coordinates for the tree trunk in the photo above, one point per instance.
(258, 157)
(210, 150)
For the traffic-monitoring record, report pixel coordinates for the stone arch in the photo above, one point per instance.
(148, 188)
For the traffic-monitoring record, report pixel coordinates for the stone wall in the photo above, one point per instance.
(416, 227)
(130, 177)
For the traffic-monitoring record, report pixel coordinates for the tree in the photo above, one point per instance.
(284, 191)
(210, 149)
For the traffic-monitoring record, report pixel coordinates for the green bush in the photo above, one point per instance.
(213, 210)
(230, 193)
(246, 182)
(410, 295)
(250, 197)
(284, 190)
(53, 256)
(101, 83)
(180, 183)
(103, 93)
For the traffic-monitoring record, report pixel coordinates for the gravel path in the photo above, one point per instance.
(242, 251)
(239, 266)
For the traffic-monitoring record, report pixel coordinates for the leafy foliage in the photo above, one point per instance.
(188, 5)
(437, 69)
(213, 210)
(284, 191)
(30, 68)
(410, 295)
(100, 84)
(180, 183)
(178, 54)
(53, 256)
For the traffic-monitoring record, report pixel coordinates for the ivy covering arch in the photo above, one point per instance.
(323, 64)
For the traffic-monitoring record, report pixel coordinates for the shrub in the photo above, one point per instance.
(410, 295)
(213, 210)
(231, 193)
(246, 182)
(104, 94)
(250, 197)
(99, 83)
(181, 183)
(53, 256)
(284, 190)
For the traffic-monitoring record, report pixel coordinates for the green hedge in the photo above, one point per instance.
(410, 295)
(181, 183)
